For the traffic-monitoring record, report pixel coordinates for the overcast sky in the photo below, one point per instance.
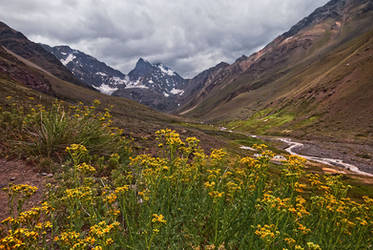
(187, 35)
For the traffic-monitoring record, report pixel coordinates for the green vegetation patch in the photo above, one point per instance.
(262, 122)
(306, 122)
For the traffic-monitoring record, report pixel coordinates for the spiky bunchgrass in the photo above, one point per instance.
(46, 131)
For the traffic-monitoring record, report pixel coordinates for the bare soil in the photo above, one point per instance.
(18, 172)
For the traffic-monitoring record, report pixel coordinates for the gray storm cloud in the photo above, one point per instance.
(187, 35)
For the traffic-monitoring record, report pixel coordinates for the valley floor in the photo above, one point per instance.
(359, 155)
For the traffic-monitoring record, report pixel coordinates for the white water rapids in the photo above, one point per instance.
(327, 161)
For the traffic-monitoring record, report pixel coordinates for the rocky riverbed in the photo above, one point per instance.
(337, 154)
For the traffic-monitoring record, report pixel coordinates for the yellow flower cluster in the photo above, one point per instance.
(121, 189)
(260, 147)
(170, 137)
(22, 189)
(27, 216)
(101, 229)
(26, 229)
(96, 102)
(95, 239)
(68, 238)
(85, 168)
(303, 229)
(77, 152)
(148, 161)
(209, 184)
(299, 187)
(159, 219)
(192, 142)
(275, 202)
(248, 161)
(111, 198)
(80, 193)
(218, 154)
(299, 210)
(313, 246)
(267, 232)
(16, 239)
(290, 241)
(76, 148)
(216, 194)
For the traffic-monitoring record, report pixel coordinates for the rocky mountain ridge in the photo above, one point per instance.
(154, 85)
(19, 44)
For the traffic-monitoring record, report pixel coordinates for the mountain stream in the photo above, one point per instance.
(327, 161)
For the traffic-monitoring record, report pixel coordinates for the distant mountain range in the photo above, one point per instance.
(154, 85)
(30, 74)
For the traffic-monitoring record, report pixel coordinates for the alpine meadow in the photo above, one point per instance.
(273, 150)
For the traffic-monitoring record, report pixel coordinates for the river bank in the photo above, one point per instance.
(356, 158)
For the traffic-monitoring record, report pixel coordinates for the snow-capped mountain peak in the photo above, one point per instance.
(155, 85)
(157, 76)
(165, 70)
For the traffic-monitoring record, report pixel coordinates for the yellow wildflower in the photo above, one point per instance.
(122, 189)
(158, 218)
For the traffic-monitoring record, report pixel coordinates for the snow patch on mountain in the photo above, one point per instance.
(165, 70)
(105, 89)
(101, 74)
(177, 91)
(68, 59)
(136, 84)
(118, 81)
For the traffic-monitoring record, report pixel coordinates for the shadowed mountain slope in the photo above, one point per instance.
(19, 44)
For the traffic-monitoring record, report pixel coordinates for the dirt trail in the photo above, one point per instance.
(20, 173)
